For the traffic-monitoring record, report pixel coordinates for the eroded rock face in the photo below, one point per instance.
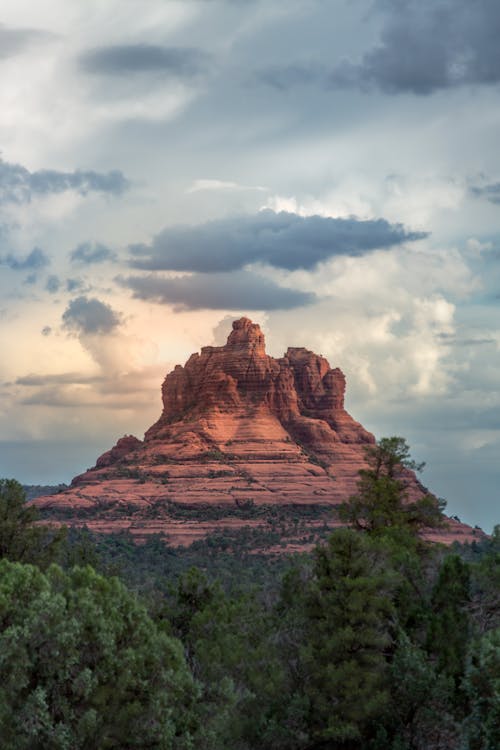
(239, 429)
(124, 446)
(300, 390)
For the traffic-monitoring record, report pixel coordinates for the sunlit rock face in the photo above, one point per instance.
(239, 430)
(298, 393)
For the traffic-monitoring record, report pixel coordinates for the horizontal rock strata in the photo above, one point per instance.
(239, 431)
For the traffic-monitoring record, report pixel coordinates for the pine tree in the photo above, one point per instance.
(449, 629)
(348, 631)
(21, 538)
(382, 501)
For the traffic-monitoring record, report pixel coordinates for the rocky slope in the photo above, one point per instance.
(244, 441)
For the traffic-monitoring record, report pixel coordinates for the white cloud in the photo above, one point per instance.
(476, 248)
(383, 319)
(201, 185)
(413, 201)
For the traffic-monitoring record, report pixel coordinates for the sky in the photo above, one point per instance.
(328, 168)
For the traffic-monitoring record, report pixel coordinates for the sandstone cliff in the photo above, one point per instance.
(240, 433)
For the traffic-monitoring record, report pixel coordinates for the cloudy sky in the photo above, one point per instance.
(330, 168)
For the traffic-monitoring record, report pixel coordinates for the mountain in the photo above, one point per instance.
(245, 443)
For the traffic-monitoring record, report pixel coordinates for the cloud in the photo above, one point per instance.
(95, 394)
(221, 331)
(46, 331)
(53, 284)
(490, 192)
(63, 378)
(90, 316)
(287, 76)
(15, 40)
(73, 284)
(19, 185)
(424, 46)
(427, 45)
(88, 253)
(284, 240)
(75, 397)
(35, 260)
(210, 185)
(449, 339)
(132, 381)
(127, 59)
(242, 290)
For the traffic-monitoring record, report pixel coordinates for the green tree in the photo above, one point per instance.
(482, 685)
(485, 585)
(21, 537)
(349, 615)
(419, 715)
(383, 500)
(83, 667)
(390, 454)
(449, 629)
(230, 645)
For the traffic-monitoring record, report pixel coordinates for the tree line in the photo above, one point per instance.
(377, 640)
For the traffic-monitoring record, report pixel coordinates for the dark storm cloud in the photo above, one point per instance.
(427, 45)
(90, 315)
(218, 291)
(126, 59)
(490, 192)
(36, 260)
(14, 40)
(19, 185)
(284, 240)
(424, 46)
(89, 253)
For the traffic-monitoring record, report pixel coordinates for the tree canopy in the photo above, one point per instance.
(83, 666)
(387, 497)
(22, 538)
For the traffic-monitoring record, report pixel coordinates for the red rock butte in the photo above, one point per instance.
(241, 433)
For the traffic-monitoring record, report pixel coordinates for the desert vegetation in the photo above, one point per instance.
(376, 639)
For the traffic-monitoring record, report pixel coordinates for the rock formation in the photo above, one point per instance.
(241, 433)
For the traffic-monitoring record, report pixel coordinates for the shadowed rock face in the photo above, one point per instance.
(239, 429)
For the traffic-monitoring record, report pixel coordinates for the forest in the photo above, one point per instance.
(377, 640)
